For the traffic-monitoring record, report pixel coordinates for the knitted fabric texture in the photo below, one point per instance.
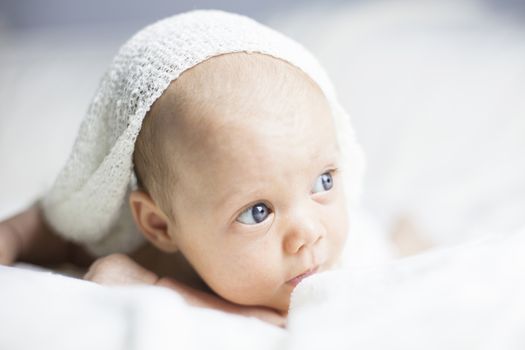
(88, 202)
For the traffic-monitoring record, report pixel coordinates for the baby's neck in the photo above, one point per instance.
(173, 265)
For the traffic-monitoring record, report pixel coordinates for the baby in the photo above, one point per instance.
(240, 181)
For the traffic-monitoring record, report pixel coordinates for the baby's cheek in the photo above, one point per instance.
(340, 225)
(250, 282)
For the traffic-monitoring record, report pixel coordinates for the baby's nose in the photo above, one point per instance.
(304, 233)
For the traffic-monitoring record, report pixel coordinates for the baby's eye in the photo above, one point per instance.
(323, 183)
(254, 214)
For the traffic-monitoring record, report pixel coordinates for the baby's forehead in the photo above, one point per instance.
(230, 105)
(233, 84)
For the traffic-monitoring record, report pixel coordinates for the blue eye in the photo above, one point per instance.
(254, 214)
(323, 183)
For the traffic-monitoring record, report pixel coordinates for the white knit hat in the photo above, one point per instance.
(88, 203)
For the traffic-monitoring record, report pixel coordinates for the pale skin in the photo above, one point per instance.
(257, 197)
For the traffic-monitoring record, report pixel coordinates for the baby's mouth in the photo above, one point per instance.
(295, 281)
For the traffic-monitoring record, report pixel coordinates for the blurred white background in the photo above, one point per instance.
(436, 91)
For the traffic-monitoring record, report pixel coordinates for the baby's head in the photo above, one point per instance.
(240, 160)
(239, 168)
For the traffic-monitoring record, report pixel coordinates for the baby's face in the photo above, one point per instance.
(258, 199)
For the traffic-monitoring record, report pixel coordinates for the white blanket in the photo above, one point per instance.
(467, 297)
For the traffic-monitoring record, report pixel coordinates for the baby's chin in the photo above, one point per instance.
(281, 305)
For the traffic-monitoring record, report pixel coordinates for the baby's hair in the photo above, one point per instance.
(149, 160)
(230, 81)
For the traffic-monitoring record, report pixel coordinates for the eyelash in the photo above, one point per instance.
(252, 206)
(331, 171)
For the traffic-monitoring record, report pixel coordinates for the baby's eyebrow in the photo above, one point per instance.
(328, 158)
(235, 195)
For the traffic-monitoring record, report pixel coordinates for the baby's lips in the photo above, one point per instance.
(297, 279)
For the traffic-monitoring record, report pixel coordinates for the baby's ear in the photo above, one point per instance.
(152, 221)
